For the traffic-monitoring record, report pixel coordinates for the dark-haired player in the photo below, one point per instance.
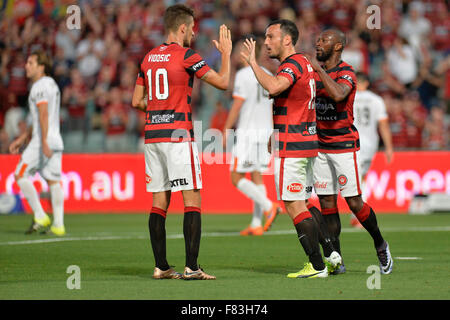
(337, 167)
(163, 90)
(293, 91)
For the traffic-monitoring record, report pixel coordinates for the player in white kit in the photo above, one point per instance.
(371, 118)
(43, 153)
(251, 111)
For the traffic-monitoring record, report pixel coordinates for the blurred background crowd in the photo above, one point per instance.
(407, 60)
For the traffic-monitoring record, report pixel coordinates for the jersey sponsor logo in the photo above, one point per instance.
(178, 182)
(342, 179)
(198, 65)
(162, 118)
(148, 179)
(295, 187)
(159, 58)
(320, 185)
(324, 105)
(309, 131)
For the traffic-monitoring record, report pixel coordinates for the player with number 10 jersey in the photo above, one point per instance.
(168, 72)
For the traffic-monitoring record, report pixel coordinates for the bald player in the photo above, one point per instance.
(337, 167)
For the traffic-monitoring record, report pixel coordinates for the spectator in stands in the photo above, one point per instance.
(440, 29)
(113, 32)
(428, 82)
(17, 81)
(402, 63)
(67, 40)
(90, 52)
(74, 99)
(23, 9)
(397, 122)
(115, 119)
(414, 27)
(415, 119)
(219, 117)
(356, 53)
(135, 48)
(436, 131)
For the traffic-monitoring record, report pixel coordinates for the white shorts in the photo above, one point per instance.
(250, 157)
(334, 172)
(293, 178)
(33, 160)
(172, 166)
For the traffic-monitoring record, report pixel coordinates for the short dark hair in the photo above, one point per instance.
(43, 59)
(362, 76)
(176, 15)
(287, 27)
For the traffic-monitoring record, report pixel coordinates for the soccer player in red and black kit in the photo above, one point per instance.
(163, 90)
(293, 91)
(336, 168)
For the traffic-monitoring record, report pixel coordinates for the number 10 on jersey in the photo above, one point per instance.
(160, 74)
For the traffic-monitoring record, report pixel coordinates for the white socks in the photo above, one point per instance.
(256, 193)
(57, 197)
(30, 193)
(257, 210)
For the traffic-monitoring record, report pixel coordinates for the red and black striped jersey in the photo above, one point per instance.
(335, 128)
(167, 72)
(293, 110)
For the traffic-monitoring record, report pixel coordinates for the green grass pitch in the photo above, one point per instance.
(114, 255)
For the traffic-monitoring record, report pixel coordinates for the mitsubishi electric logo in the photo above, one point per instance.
(163, 118)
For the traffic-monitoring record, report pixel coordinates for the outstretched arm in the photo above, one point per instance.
(221, 79)
(273, 84)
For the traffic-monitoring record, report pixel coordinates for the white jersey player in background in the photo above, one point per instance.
(43, 153)
(371, 118)
(251, 111)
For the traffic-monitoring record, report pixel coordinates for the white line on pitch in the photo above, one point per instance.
(210, 234)
(408, 258)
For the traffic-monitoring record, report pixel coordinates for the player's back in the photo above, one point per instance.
(167, 72)
(369, 108)
(45, 90)
(255, 114)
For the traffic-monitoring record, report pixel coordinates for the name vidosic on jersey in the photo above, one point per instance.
(159, 58)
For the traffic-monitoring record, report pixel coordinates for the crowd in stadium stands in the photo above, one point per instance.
(407, 59)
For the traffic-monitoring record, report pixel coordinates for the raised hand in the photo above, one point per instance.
(248, 52)
(224, 45)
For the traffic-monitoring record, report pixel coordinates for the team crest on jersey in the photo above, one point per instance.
(148, 179)
(342, 179)
(295, 187)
